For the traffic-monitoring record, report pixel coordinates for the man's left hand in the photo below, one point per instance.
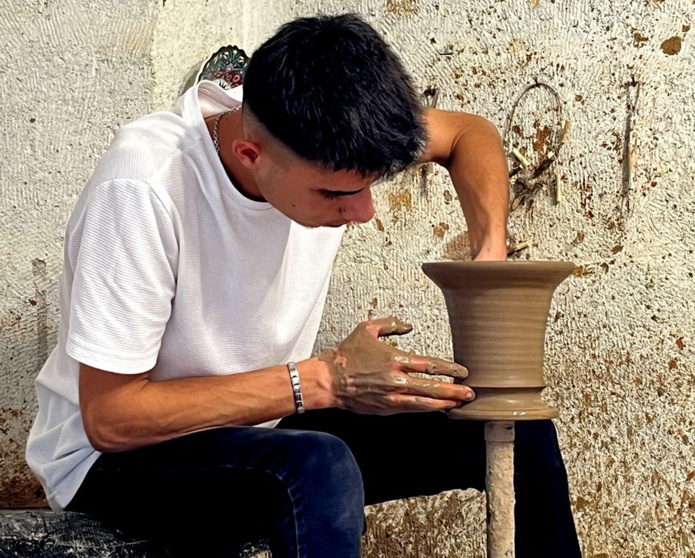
(492, 254)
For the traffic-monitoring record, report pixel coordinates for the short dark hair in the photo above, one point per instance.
(334, 92)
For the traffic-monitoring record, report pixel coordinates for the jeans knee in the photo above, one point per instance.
(326, 495)
(327, 463)
(327, 453)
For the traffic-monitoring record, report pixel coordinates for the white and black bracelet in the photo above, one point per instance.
(296, 387)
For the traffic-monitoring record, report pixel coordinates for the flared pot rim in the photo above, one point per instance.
(490, 265)
(443, 273)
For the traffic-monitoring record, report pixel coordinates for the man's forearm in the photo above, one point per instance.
(478, 170)
(126, 412)
(470, 147)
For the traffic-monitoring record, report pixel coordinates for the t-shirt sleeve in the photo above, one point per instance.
(122, 250)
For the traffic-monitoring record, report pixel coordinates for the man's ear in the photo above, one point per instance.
(247, 151)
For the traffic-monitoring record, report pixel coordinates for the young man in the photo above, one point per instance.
(197, 262)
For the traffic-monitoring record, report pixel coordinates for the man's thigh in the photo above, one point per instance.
(405, 455)
(226, 484)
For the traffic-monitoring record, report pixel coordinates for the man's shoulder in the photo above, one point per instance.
(163, 131)
(146, 147)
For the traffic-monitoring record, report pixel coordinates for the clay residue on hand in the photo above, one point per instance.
(369, 376)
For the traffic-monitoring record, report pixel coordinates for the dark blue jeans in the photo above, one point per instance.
(303, 485)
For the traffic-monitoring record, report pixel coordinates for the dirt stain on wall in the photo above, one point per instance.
(401, 200)
(542, 140)
(440, 230)
(457, 248)
(18, 488)
(672, 46)
(638, 39)
(583, 271)
(402, 7)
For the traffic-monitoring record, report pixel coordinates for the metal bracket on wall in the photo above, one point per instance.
(527, 178)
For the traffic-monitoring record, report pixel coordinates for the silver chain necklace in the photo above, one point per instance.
(216, 127)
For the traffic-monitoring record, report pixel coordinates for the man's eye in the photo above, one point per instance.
(328, 195)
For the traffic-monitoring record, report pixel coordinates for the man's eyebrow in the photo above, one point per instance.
(339, 192)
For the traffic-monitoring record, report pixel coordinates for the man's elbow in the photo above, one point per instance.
(104, 433)
(107, 406)
(485, 126)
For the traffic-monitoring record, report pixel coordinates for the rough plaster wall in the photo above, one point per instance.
(72, 73)
(187, 33)
(620, 341)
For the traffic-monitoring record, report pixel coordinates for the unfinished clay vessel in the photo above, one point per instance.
(498, 313)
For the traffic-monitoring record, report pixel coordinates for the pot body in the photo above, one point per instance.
(498, 313)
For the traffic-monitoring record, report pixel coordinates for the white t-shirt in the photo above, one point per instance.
(168, 268)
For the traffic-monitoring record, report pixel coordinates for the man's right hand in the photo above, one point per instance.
(372, 377)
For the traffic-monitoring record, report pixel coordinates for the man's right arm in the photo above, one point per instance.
(362, 374)
(126, 411)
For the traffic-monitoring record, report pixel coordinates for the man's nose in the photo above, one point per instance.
(359, 208)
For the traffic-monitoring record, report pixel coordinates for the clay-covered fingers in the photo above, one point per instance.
(382, 327)
(434, 389)
(430, 365)
(416, 403)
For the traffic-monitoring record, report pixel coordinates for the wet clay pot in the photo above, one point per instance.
(498, 313)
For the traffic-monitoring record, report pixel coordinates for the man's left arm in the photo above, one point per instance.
(470, 148)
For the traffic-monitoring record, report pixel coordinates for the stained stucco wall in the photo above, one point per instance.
(620, 339)
(72, 73)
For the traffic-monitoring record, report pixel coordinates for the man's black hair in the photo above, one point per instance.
(335, 93)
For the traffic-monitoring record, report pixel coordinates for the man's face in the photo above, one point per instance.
(312, 196)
